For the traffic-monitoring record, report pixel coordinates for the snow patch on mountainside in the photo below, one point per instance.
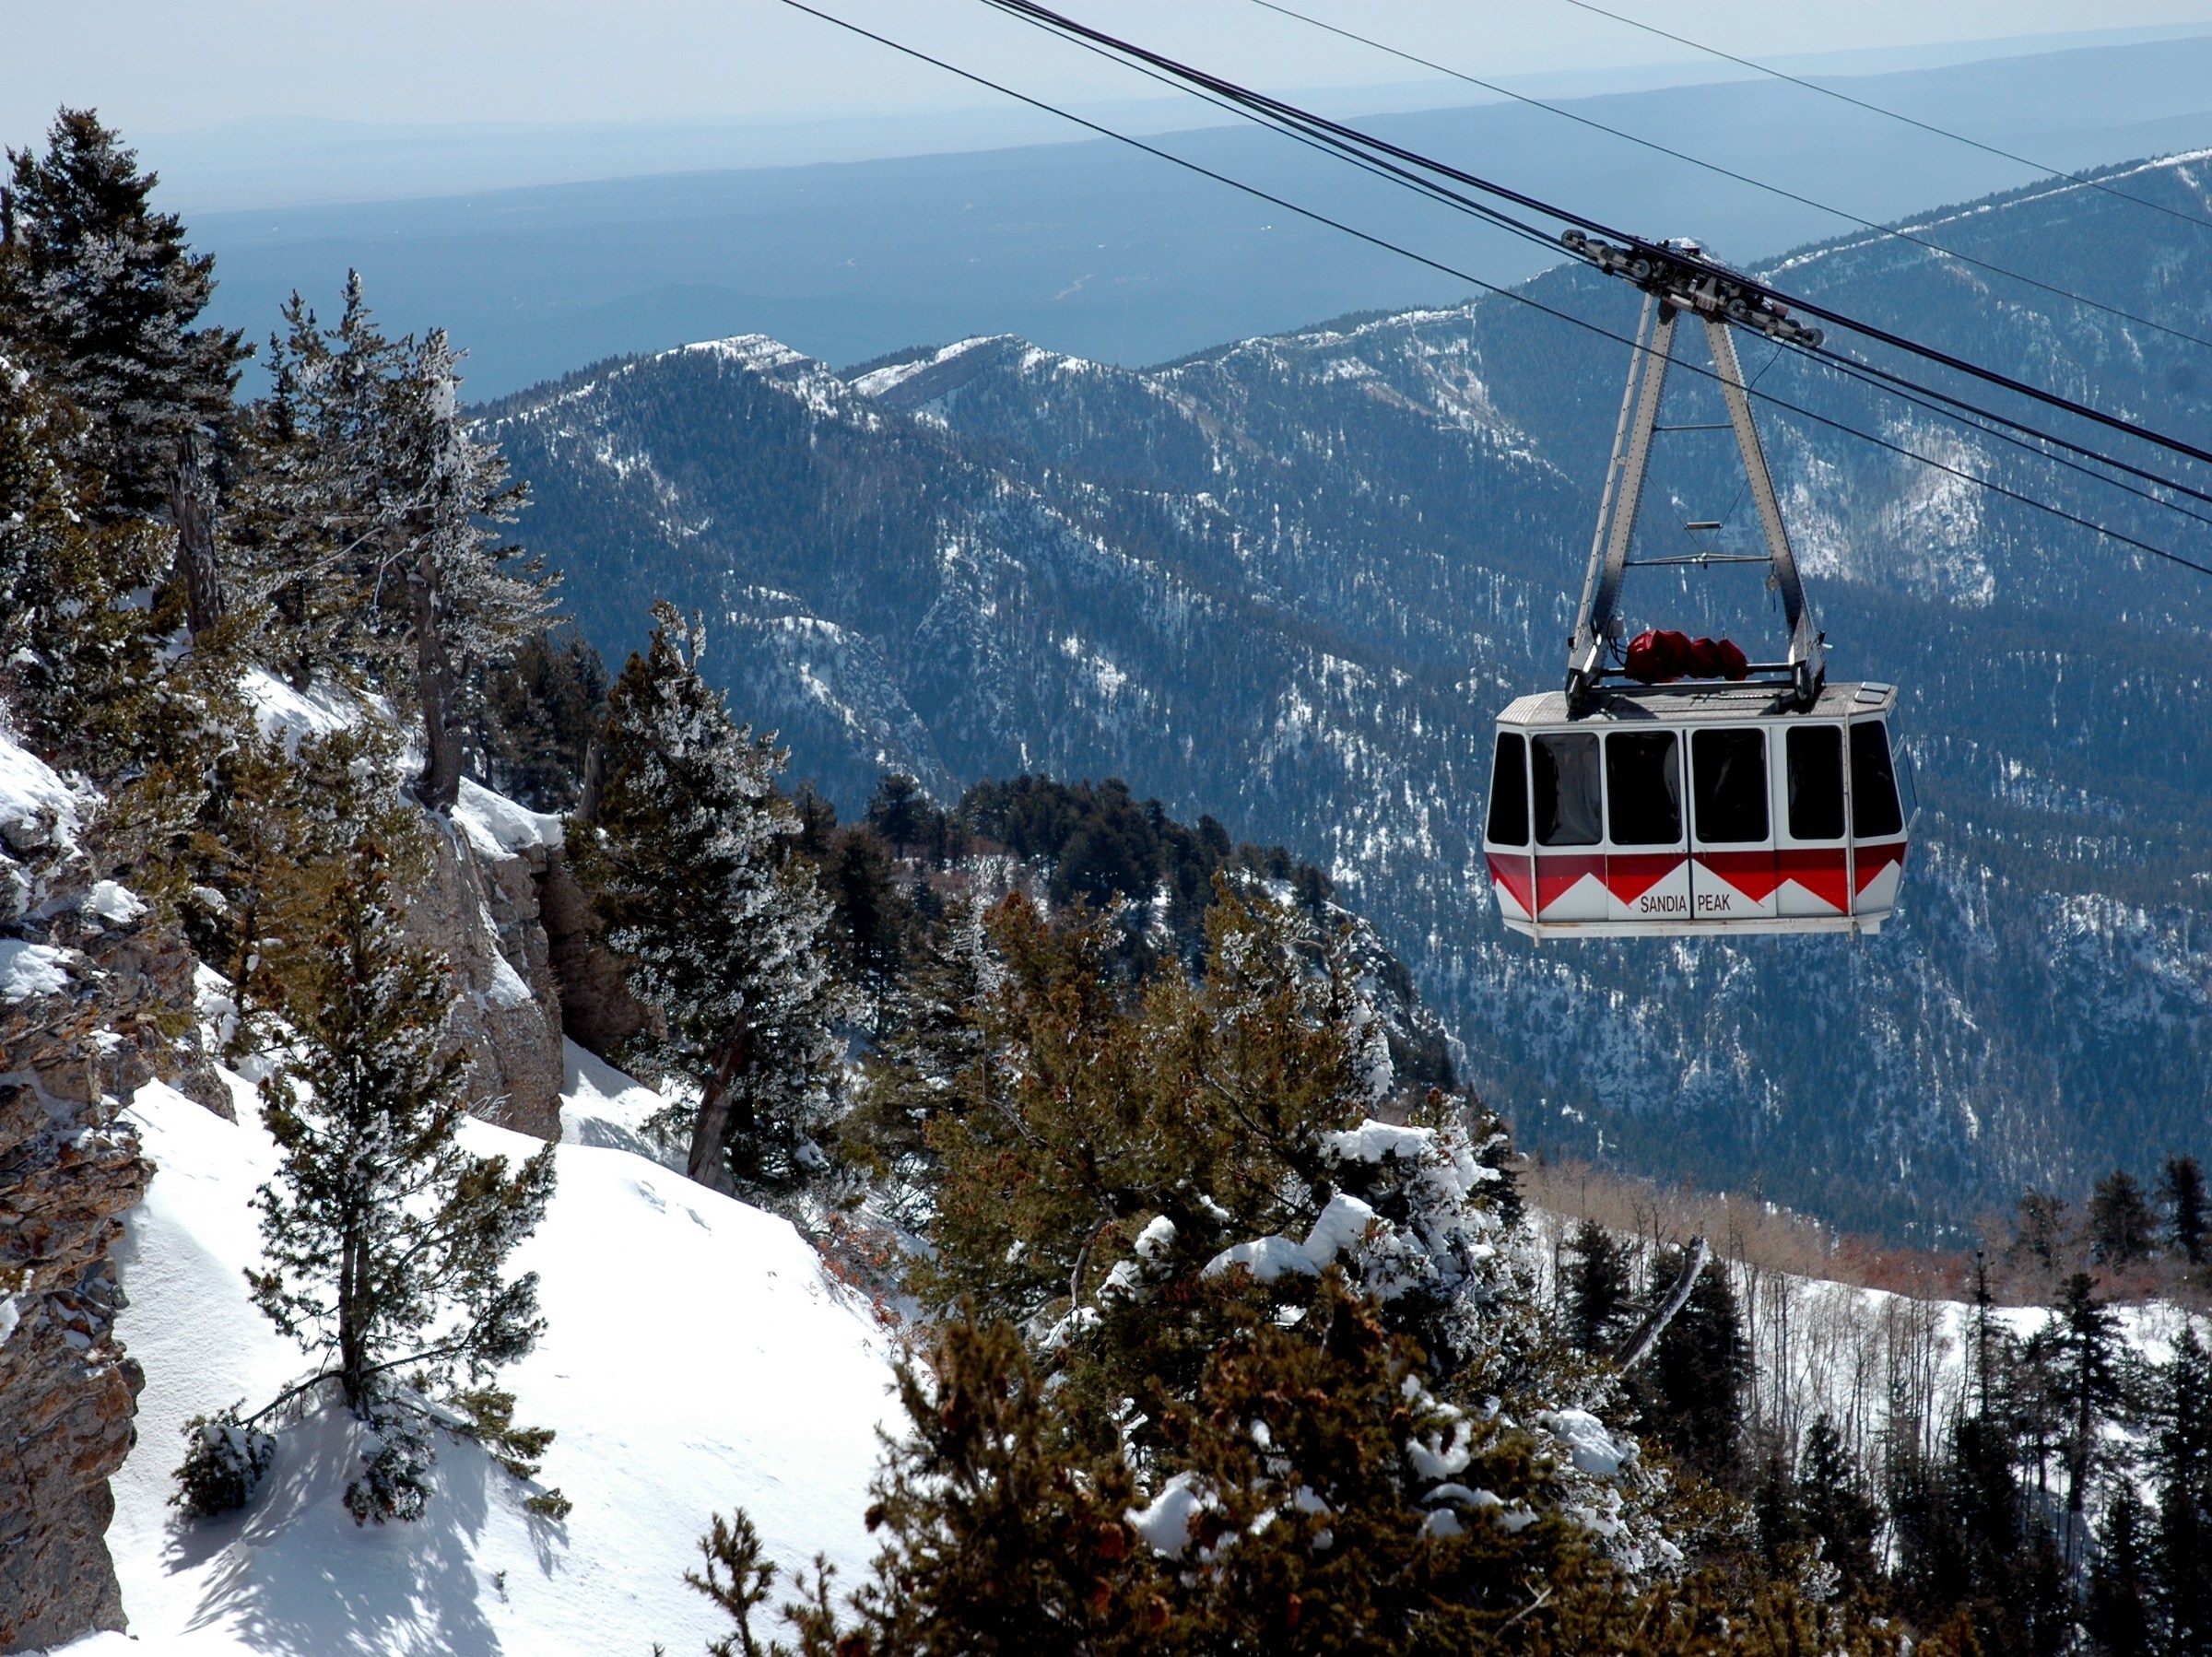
(497, 826)
(291, 714)
(697, 1357)
(37, 808)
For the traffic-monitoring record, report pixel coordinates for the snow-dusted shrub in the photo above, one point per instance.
(225, 1460)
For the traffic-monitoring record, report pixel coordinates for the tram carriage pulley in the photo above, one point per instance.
(1704, 795)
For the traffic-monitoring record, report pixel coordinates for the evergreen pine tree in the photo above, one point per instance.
(1316, 1498)
(384, 1242)
(540, 713)
(1112, 1112)
(723, 929)
(467, 606)
(76, 650)
(248, 865)
(1775, 1511)
(316, 504)
(2119, 1611)
(2122, 1228)
(369, 520)
(1691, 1391)
(905, 816)
(2188, 1215)
(2088, 1385)
(1833, 1505)
(872, 923)
(1005, 1529)
(98, 294)
(2182, 1471)
(935, 1060)
(1597, 1288)
(737, 1580)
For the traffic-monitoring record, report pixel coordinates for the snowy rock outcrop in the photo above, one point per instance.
(95, 1000)
(480, 909)
(524, 943)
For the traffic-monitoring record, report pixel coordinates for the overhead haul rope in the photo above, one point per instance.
(1926, 126)
(1968, 415)
(1277, 109)
(1652, 145)
(1387, 245)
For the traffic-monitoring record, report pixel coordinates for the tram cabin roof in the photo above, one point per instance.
(1701, 703)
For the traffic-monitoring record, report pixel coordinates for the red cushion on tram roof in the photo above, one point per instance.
(1728, 661)
(1655, 656)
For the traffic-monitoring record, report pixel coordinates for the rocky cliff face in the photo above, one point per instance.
(502, 907)
(480, 910)
(94, 999)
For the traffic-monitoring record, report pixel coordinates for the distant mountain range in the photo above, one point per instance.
(1288, 581)
(1097, 250)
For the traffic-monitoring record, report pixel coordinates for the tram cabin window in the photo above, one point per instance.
(1873, 811)
(1643, 788)
(1815, 783)
(1567, 792)
(1731, 785)
(1509, 792)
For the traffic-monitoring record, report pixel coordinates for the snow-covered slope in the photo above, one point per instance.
(698, 1359)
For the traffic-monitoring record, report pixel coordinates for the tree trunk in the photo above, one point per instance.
(192, 509)
(594, 781)
(710, 1135)
(1637, 1345)
(353, 1348)
(437, 687)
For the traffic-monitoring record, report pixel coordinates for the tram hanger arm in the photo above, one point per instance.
(1598, 621)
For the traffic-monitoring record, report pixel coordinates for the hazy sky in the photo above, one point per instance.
(159, 65)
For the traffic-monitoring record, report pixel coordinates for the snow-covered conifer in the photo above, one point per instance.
(370, 519)
(79, 656)
(723, 929)
(384, 1242)
(97, 293)
(933, 1061)
(247, 862)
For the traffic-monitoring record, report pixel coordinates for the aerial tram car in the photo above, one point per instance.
(1673, 786)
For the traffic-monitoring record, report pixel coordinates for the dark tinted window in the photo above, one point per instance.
(1509, 792)
(1567, 791)
(1817, 782)
(1873, 784)
(1643, 788)
(1731, 769)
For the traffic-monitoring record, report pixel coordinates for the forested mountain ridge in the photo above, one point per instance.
(1287, 581)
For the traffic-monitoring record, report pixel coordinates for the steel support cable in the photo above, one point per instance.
(1659, 252)
(1329, 144)
(1876, 108)
(1728, 172)
(1970, 415)
(1387, 245)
